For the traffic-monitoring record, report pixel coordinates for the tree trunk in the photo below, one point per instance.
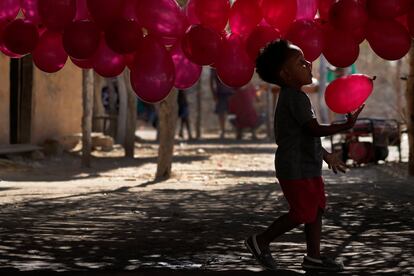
(122, 110)
(98, 108)
(168, 114)
(87, 97)
(410, 111)
(131, 118)
(199, 110)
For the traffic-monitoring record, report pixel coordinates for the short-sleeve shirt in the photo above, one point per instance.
(298, 155)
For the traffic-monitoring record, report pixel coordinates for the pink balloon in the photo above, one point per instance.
(20, 37)
(81, 39)
(123, 36)
(3, 48)
(162, 18)
(387, 8)
(340, 48)
(213, 13)
(308, 36)
(30, 11)
(234, 66)
(49, 55)
(82, 63)
(388, 38)
(244, 16)
(324, 6)
(153, 73)
(107, 63)
(201, 45)
(348, 15)
(9, 9)
(129, 11)
(279, 13)
(186, 72)
(56, 14)
(348, 93)
(191, 13)
(258, 38)
(306, 9)
(82, 12)
(105, 12)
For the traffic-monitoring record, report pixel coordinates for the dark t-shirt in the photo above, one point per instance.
(299, 155)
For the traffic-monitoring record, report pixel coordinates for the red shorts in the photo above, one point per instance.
(305, 198)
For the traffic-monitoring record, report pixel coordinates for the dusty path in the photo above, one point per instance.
(55, 216)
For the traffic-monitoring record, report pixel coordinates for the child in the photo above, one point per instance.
(299, 155)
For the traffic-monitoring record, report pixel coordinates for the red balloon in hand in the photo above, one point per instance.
(347, 93)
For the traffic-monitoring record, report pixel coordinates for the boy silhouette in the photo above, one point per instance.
(299, 156)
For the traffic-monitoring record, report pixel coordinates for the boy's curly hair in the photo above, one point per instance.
(271, 60)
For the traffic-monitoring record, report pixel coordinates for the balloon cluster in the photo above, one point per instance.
(165, 45)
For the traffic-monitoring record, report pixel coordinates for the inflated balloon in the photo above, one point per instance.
(130, 9)
(308, 36)
(56, 14)
(348, 15)
(20, 37)
(9, 9)
(106, 62)
(129, 59)
(213, 13)
(201, 45)
(190, 13)
(410, 21)
(387, 8)
(49, 55)
(82, 12)
(186, 72)
(234, 66)
(105, 12)
(324, 6)
(83, 63)
(244, 16)
(340, 48)
(258, 38)
(153, 73)
(162, 18)
(348, 93)
(306, 9)
(279, 13)
(388, 38)
(30, 11)
(81, 39)
(3, 48)
(123, 36)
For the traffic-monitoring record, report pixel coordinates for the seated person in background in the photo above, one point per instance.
(241, 104)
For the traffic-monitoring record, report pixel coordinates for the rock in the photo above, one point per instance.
(106, 143)
(69, 142)
(52, 147)
(37, 155)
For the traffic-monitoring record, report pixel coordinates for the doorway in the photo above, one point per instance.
(21, 82)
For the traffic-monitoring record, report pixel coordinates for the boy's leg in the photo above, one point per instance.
(280, 226)
(313, 236)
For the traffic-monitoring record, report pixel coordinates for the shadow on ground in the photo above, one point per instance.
(189, 232)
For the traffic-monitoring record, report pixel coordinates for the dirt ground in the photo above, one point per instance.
(114, 219)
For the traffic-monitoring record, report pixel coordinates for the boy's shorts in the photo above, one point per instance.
(305, 198)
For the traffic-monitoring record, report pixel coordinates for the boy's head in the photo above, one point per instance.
(283, 63)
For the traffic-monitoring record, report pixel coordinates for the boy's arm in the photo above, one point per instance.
(317, 130)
